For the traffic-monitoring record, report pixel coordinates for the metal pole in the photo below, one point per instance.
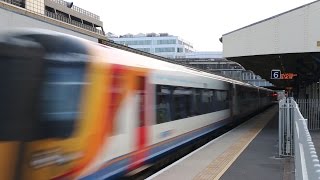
(280, 127)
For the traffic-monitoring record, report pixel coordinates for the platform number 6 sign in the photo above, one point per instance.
(275, 74)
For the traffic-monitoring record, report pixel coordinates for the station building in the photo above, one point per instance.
(56, 15)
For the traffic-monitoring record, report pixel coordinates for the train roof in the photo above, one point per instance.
(122, 57)
(119, 56)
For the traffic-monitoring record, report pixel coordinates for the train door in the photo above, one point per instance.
(230, 99)
(140, 91)
(234, 101)
(128, 103)
(260, 98)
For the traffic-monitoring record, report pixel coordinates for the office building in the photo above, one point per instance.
(162, 44)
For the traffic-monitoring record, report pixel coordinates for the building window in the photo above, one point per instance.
(179, 49)
(159, 50)
(166, 41)
(133, 43)
(144, 49)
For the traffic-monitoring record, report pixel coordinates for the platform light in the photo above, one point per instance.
(69, 4)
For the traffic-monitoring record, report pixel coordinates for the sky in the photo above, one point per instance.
(200, 22)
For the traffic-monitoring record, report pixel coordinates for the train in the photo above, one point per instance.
(75, 109)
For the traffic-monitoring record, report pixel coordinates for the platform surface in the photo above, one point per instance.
(246, 152)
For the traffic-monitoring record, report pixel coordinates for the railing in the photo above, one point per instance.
(309, 108)
(59, 17)
(70, 21)
(295, 139)
(19, 3)
(286, 112)
(76, 8)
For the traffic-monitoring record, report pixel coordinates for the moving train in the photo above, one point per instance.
(74, 109)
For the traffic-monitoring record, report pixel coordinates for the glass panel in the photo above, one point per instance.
(19, 78)
(60, 98)
(182, 102)
(196, 103)
(61, 92)
(163, 100)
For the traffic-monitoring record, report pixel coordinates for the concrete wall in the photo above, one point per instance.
(9, 19)
(294, 31)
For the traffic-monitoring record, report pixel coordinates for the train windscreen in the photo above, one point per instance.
(60, 97)
(63, 79)
(20, 76)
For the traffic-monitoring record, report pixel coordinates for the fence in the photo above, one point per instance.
(286, 112)
(80, 10)
(309, 108)
(70, 21)
(19, 3)
(295, 140)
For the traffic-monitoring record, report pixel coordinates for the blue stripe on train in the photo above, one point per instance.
(119, 168)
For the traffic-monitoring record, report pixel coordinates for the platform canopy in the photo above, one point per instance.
(288, 42)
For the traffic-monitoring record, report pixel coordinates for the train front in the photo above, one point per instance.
(52, 121)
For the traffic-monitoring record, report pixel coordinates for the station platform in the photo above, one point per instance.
(247, 152)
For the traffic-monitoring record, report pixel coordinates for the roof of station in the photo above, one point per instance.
(289, 42)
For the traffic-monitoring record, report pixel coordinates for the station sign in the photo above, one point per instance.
(275, 74)
(288, 75)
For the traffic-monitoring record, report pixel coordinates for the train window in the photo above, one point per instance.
(196, 102)
(207, 101)
(222, 99)
(20, 76)
(215, 106)
(173, 103)
(163, 99)
(182, 98)
(60, 97)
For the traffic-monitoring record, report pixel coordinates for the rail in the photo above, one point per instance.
(69, 21)
(79, 10)
(309, 108)
(286, 112)
(19, 3)
(295, 140)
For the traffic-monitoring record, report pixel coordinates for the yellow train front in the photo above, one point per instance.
(73, 109)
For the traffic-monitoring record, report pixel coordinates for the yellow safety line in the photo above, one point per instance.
(220, 165)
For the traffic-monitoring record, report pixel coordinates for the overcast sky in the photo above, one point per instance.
(200, 22)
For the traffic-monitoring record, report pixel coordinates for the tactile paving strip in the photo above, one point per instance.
(219, 165)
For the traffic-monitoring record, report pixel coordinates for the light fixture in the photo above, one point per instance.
(69, 4)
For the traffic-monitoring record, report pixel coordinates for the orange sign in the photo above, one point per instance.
(288, 75)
